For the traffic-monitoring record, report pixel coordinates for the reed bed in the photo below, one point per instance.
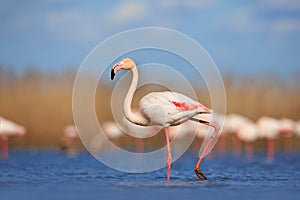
(43, 102)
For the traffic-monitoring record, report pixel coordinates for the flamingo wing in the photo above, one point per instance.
(169, 108)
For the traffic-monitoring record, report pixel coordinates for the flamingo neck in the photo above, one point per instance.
(134, 116)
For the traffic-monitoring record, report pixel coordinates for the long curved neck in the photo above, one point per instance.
(136, 117)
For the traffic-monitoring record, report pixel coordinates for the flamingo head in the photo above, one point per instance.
(126, 64)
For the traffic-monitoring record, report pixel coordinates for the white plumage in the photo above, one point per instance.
(9, 128)
(268, 127)
(162, 108)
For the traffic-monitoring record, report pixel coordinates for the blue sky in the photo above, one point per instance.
(248, 38)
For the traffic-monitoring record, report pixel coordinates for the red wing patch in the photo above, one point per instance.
(185, 106)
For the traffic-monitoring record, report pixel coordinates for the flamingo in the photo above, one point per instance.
(7, 129)
(139, 132)
(248, 133)
(287, 127)
(68, 142)
(232, 123)
(269, 128)
(112, 131)
(163, 109)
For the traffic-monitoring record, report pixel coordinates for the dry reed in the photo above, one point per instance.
(43, 102)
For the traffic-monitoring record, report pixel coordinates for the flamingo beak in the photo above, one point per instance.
(112, 74)
(115, 69)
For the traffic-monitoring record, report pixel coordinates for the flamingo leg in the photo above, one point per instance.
(236, 145)
(287, 143)
(270, 150)
(249, 151)
(169, 159)
(221, 145)
(3, 148)
(139, 145)
(211, 139)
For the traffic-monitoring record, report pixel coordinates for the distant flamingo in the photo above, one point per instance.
(232, 123)
(7, 129)
(112, 131)
(69, 141)
(164, 109)
(139, 133)
(269, 129)
(286, 126)
(286, 130)
(248, 133)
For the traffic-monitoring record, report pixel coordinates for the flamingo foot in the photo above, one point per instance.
(199, 174)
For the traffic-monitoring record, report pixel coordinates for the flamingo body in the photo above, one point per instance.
(169, 108)
(233, 122)
(69, 141)
(286, 126)
(248, 132)
(9, 128)
(268, 127)
(111, 129)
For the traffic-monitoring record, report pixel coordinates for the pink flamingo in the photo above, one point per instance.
(286, 130)
(112, 131)
(69, 141)
(269, 128)
(248, 133)
(232, 124)
(139, 133)
(7, 129)
(163, 109)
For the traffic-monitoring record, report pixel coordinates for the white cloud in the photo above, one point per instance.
(127, 12)
(284, 4)
(286, 26)
(190, 4)
(248, 20)
(240, 20)
(71, 24)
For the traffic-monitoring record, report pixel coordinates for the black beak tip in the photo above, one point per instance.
(112, 74)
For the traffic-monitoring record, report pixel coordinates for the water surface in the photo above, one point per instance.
(30, 174)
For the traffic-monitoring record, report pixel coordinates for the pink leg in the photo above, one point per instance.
(211, 139)
(287, 142)
(249, 151)
(270, 149)
(139, 145)
(169, 159)
(221, 144)
(236, 145)
(3, 148)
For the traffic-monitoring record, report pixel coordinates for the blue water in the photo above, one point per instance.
(30, 174)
